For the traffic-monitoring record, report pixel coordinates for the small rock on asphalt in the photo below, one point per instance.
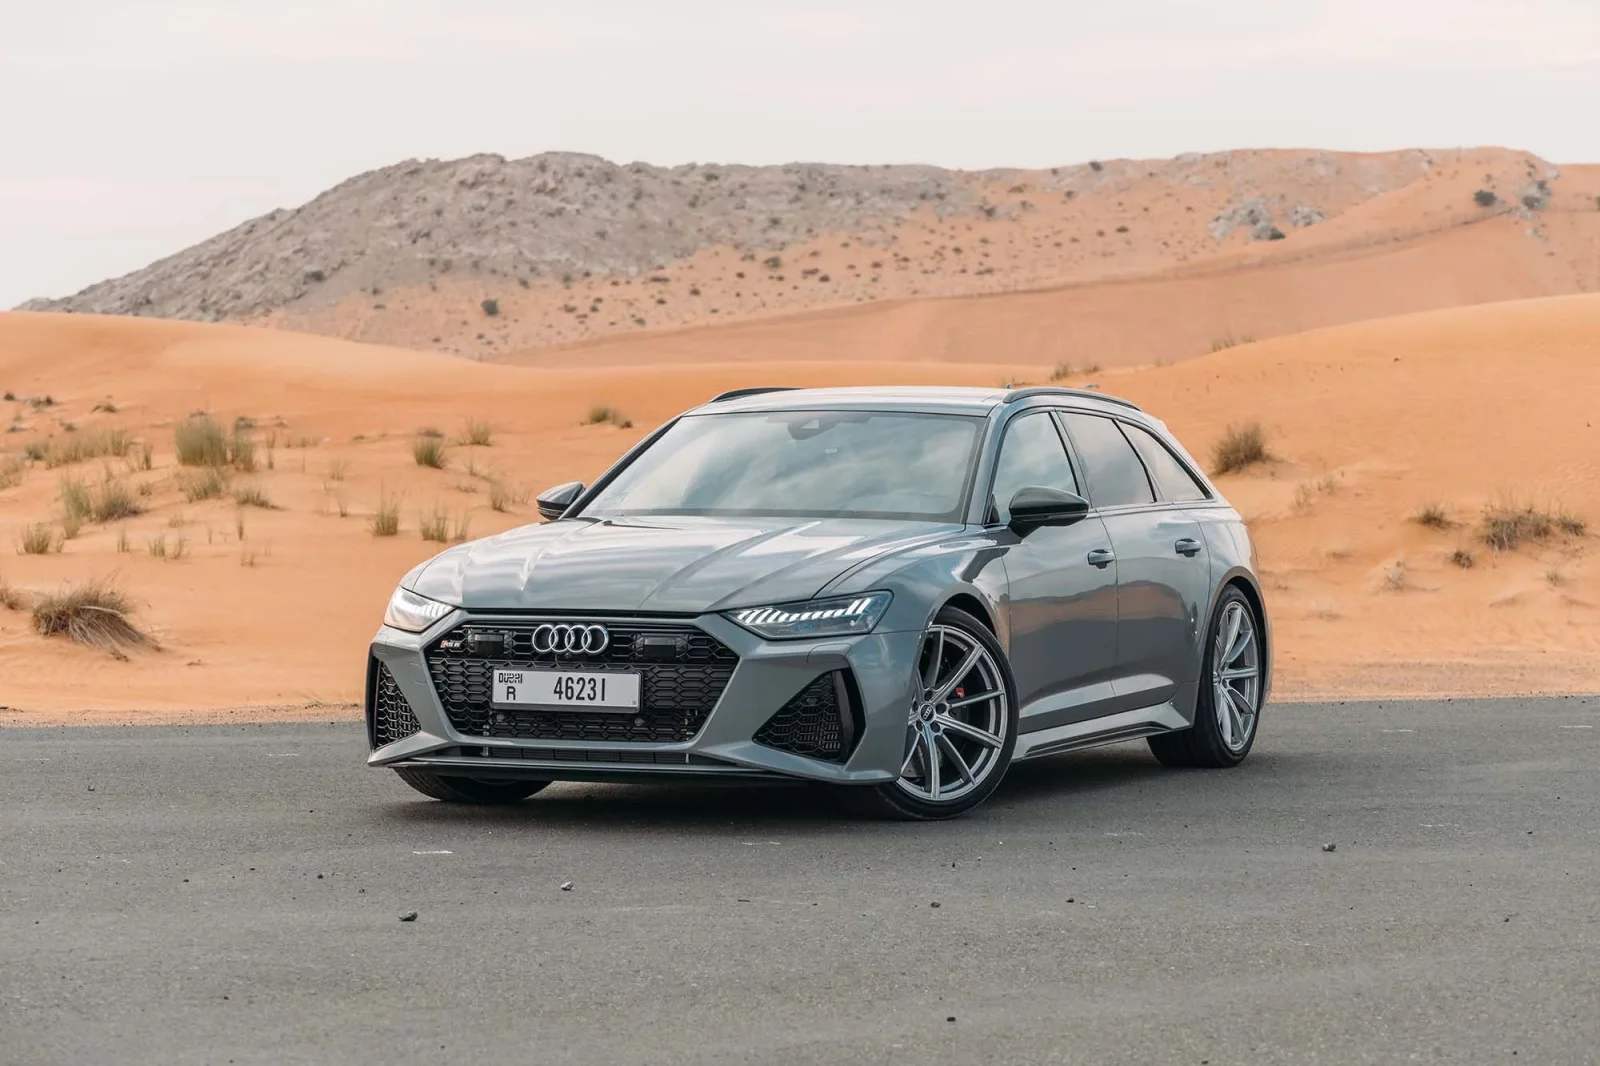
(566, 886)
(409, 916)
(1329, 847)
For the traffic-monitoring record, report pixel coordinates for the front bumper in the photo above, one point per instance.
(874, 671)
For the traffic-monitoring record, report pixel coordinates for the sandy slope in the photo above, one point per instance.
(1370, 421)
(1398, 232)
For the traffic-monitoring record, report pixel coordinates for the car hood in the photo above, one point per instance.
(669, 565)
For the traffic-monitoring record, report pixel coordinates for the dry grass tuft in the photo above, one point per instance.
(1462, 558)
(1061, 372)
(1397, 578)
(38, 539)
(478, 433)
(13, 599)
(1241, 446)
(253, 496)
(76, 447)
(1506, 526)
(95, 615)
(435, 526)
(386, 519)
(207, 484)
(11, 473)
(1229, 340)
(338, 469)
(1434, 516)
(200, 442)
(603, 413)
(428, 451)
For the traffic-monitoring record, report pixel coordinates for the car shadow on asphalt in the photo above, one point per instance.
(1045, 786)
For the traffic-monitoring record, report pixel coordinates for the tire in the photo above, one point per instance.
(982, 738)
(469, 789)
(1206, 744)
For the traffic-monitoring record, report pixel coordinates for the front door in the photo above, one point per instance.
(1063, 588)
(1163, 573)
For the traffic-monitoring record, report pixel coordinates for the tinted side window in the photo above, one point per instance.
(1031, 455)
(1172, 478)
(1112, 467)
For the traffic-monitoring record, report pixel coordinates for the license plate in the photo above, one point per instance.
(591, 689)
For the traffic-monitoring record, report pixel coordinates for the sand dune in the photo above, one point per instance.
(1369, 422)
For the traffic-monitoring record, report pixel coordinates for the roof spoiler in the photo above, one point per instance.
(1054, 390)
(757, 391)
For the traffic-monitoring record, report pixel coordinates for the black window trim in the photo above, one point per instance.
(1084, 481)
(992, 508)
(1200, 482)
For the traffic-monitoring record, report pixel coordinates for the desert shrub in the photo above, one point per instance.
(11, 473)
(113, 501)
(435, 526)
(463, 527)
(1061, 372)
(337, 469)
(603, 413)
(95, 615)
(199, 441)
(12, 599)
(75, 499)
(38, 539)
(1239, 447)
(1228, 340)
(1485, 198)
(1433, 516)
(207, 484)
(478, 433)
(502, 496)
(1506, 526)
(76, 447)
(253, 496)
(35, 450)
(490, 307)
(386, 519)
(428, 451)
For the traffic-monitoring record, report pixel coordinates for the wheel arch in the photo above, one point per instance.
(1243, 580)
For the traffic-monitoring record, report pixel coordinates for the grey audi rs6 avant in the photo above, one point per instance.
(899, 591)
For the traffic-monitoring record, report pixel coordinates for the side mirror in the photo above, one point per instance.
(1037, 506)
(553, 502)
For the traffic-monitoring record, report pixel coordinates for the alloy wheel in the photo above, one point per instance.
(1236, 676)
(958, 722)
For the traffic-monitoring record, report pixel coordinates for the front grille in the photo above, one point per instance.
(631, 758)
(683, 671)
(816, 723)
(391, 716)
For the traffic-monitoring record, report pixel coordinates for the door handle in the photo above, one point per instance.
(1187, 546)
(1102, 557)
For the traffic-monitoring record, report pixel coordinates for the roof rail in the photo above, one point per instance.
(757, 391)
(1055, 390)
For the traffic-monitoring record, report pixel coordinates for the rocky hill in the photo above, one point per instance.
(484, 255)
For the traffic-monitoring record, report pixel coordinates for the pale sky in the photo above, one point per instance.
(130, 129)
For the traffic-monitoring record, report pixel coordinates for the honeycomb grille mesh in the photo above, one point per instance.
(810, 724)
(682, 670)
(392, 717)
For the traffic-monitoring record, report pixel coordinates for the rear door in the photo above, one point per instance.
(1163, 574)
(1063, 587)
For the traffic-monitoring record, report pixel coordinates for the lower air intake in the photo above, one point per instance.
(817, 723)
(390, 715)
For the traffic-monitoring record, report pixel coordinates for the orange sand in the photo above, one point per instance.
(1369, 421)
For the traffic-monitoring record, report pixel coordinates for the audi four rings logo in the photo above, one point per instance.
(575, 639)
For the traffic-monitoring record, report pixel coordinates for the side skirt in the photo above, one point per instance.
(1128, 725)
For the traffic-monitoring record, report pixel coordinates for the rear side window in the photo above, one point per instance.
(1032, 455)
(1116, 476)
(1172, 478)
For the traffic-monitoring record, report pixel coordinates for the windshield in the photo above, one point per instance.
(802, 464)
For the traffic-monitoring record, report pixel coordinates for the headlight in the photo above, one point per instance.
(413, 613)
(839, 617)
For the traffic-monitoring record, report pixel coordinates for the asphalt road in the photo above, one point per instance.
(231, 895)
